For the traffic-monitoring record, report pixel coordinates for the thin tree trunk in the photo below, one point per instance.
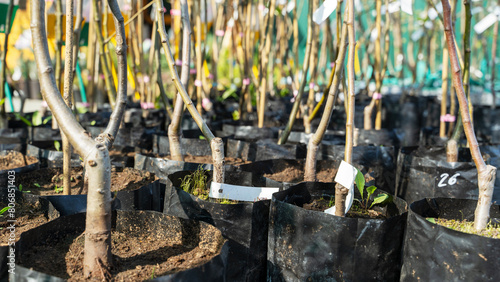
(337, 73)
(264, 62)
(486, 173)
(444, 92)
(293, 115)
(174, 132)
(493, 64)
(215, 142)
(341, 191)
(68, 95)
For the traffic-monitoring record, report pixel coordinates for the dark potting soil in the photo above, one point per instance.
(137, 255)
(356, 210)
(207, 159)
(44, 181)
(295, 174)
(14, 160)
(27, 215)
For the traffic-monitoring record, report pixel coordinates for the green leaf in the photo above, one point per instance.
(381, 198)
(2, 102)
(23, 119)
(431, 220)
(93, 122)
(20, 187)
(47, 119)
(57, 145)
(37, 185)
(360, 182)
(370, 190)
(37, 118)
(2, 211)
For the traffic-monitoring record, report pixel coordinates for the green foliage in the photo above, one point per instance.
(380, 199)
(23, 119)
(57, 145)
(37, 118)
(37, 185)
(236, 115)
(58, 189)
(2, 211)
(2, 102)
(21, 189)
(196, 183)
(93, 122)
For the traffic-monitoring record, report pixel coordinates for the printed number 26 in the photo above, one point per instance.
(451, 181)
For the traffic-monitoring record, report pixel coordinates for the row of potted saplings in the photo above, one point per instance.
(303, 241)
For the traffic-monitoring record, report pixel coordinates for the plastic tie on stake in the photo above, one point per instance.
(487, 21)
(175, 12)
(246, 81)
(240, 193)
(345, 177)
(219, 32)
(210, 76)
(295, 93)
(377, 96)
(447, 118)
(311, 85)
(146, 79)
(192, 71)
(147, 105)
(178, 63)
(197, 83)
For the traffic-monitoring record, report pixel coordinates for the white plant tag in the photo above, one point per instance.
(324, 11)
(240, 193)
(487, 21)
(345, 176)
(406, 6)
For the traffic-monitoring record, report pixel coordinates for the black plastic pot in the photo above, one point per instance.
(250, 133)
(149, 197)
(382, 137)
(13, 135)
(245, 224)
(436, 253)
(263, 150)
(425, 173)
(159, 224)
(306, 245)
(4, 174)
(191, 144)
(44, 135)
(49, 157)
(129, 136)
(50, 213)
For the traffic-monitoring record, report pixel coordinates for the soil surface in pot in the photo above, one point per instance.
(207, 160)
(356, 210)
(137, 255)
(492, 230)
(295, 174)
(44, 181)
(27, 215)
(14, 160)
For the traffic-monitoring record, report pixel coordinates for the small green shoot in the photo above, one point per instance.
(21, 189)
(2, 211)
(23, 119)
(37, 118)
(196, 183)
(36, 184)
(57, 145)
(2, 102)
(153, 273)
(431, 220)
(93, 122)
(365, 202)
(58, 189)
(47, 119)
(236, 115)
(202, 137)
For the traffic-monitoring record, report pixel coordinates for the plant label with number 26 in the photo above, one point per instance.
(446, 180)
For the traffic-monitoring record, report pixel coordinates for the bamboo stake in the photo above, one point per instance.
(486, 173)
(341, 191)
(308, 109)
(199, 56)
(216, 143)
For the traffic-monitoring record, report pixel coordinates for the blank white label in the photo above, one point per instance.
(240, 193)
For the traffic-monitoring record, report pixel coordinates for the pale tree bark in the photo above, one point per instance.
(217, 149)
(293, 115)
(68, 95)
(341, 191)
(309, 107)
(95, 153)
(174, 129)
(444, 92)
(486, 173)
(315, 141)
